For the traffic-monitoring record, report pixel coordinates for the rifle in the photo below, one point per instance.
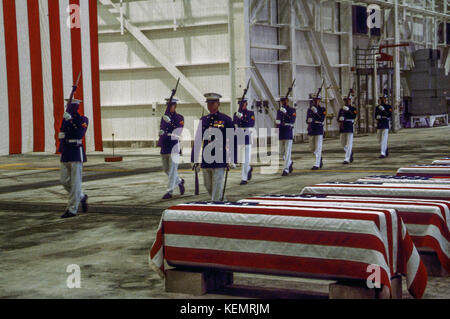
(227, 169)
(174, 91)
(290, 90)
(74, 88)
(197, 188)
(243, 97)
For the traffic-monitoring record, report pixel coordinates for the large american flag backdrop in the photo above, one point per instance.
(44, 45)
(328, 242)
(427, 221)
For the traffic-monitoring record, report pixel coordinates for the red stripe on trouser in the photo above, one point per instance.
(273, 211)
(56, 65)
(36, 76)
(431, 242)
(267, 263)
(95, 73)
(13, 77)
(285, 235)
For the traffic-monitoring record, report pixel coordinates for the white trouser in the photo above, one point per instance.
(214, 182)
(170, 167)
(246, 161)
(315, 144)
(383, 136)
(71, 179)
(347, 143)
(286, 150)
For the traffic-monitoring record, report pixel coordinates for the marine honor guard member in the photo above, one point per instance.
(314, 118)
(285, 122)
(243, 121)
(170, 131)
(383, 115)
(346, 119)
(73, 155)
(211, 141)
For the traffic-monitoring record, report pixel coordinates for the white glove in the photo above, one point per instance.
(161, 133)
(310, 120)
(239, 115)
(167, 119)
(67, 116)
(381, 108)
(314, 109)
(61, 135)
(379, 117)
(341, 119)
(233, 166)
(282, 109)
(346, 108)
(278, 122)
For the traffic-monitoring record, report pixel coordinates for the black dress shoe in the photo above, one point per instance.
(346, 163)
(382, 156)
(285, 173)
(249, 176)
(243, 183)
(291, 168)
(167, 196)
(315, 168)
(84, 204)
(181, 187)
(68, 214)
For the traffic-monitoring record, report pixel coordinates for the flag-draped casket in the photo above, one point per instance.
(442, 161)
(324, 242)
(437, 171)
(44, 45)
(427, 221)
(403, 180)
(392, 190)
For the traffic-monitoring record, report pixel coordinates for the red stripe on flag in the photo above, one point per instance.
(36, 76)
(269, 263)
(95, 73)
(57, 75)
(77, 59)
(285, 235)
(13, 77)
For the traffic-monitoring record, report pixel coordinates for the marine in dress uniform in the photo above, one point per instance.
(285, 122)
(73, 155)
(314, 118)
(383, 115)
(211, 141)
(170, 131)
(243, 121)
(346, 119)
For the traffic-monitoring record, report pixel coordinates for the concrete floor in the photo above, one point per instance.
(111, 242)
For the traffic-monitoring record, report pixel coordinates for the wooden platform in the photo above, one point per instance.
(200, 282)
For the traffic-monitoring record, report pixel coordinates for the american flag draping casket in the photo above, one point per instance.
(418, 191)
(443, 161)
(425, 170)
(314, 242)
(427, 221)
(403, 180)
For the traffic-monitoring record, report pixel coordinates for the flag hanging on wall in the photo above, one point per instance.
(44, 45)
